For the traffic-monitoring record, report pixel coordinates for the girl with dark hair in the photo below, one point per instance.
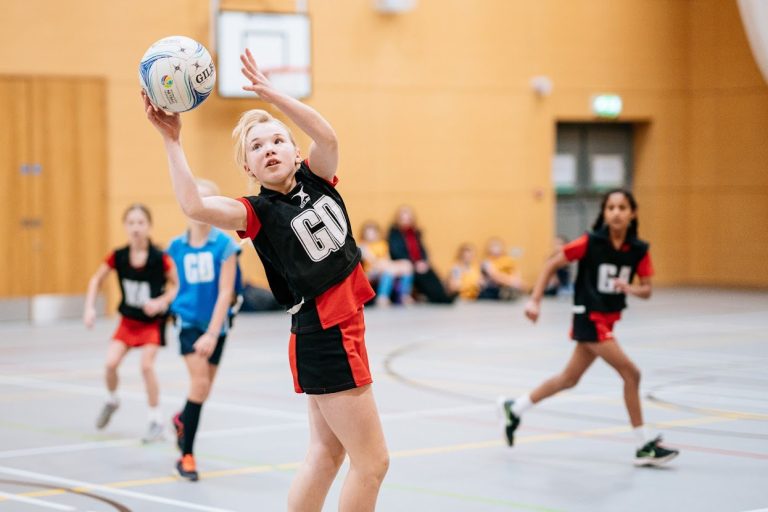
(608, 258)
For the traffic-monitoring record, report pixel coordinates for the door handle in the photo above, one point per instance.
(31, 222)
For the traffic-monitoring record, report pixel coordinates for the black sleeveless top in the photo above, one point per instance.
(305, 240)
(601, 265)
(138, 285)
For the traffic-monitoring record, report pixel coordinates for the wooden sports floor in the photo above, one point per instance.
(437, 372)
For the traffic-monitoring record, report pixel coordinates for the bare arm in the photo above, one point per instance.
(206, 343)
(219, 211)
(550, 267)
(94, 285)
(324, 150)
(454, 280)
(498, 277)
(161, 303)
(643, 289)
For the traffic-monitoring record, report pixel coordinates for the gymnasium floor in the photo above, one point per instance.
(437, 371)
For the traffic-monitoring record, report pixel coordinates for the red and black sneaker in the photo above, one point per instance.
(187, 468)
(178, 426)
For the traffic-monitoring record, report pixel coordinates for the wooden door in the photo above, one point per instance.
(70, 190)
(60, 202)
(16, 217)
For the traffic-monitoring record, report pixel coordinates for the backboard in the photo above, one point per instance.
(280, 43)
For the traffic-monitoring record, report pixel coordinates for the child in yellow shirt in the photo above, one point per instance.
(502, 279)
(466, 278)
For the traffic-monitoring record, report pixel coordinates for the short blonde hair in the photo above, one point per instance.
(247, 121)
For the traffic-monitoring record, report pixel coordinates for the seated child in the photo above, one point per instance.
(381, 270)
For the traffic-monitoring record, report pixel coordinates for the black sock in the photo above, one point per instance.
(190, 417)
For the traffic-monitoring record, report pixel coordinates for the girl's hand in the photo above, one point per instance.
(168, 124)
(259, 82)
(154, 306)
(89, 317)
(532, 309)
(621, 286)
(421, 267)
(205, 344)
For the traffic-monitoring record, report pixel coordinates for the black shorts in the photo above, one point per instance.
(329, 360)
(189, 335)
(594, 326)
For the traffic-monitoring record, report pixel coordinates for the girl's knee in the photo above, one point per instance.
(631, 375)
(374, 466)
(200, 389)
(147, 368)
(111, 366)
(326, 458)
(383, 464)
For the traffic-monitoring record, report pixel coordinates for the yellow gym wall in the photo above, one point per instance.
(434, 108)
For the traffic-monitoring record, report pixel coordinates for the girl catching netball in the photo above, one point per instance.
(148, 284)
(609, 258)
(300, 229)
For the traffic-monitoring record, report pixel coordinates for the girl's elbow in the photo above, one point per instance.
(194, 211)
(330, 141)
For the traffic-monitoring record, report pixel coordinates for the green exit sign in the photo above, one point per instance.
(607, 105)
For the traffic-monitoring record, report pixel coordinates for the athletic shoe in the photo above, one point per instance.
(154, 433)
(187, 468)
(106, 414)
(511, 420)
(178, 426)
(653, 454)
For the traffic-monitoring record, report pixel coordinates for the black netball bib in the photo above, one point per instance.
(305, 241)
(138, 285)
(601, 265)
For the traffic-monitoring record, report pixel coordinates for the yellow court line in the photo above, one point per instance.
(735, 415)
(267, 468)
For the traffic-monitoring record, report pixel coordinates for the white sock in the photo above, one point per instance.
(154, 414)
(641, 434)
(112, 397)
(522, 404)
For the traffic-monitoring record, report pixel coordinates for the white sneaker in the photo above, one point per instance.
(106, 414)
(154, 433)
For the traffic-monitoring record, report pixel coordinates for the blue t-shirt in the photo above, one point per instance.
(199, 269)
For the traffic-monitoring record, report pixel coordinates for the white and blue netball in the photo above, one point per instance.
(177, 73)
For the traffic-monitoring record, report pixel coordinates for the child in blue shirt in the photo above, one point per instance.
(207, 261)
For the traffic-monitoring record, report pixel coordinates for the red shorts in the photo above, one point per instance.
(330, 360)
(594, 326)
(136, 333)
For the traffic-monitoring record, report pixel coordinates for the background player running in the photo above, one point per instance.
(148, 283)
(609, 258)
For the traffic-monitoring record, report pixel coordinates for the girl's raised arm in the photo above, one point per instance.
(219, 211)
(324, 150)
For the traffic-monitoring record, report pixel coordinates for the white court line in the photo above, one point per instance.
(109, 490)
(141, 397)
(33, 501)
(24, 452)
(231, 432)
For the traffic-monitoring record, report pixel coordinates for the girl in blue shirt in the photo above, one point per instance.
(207, 261)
